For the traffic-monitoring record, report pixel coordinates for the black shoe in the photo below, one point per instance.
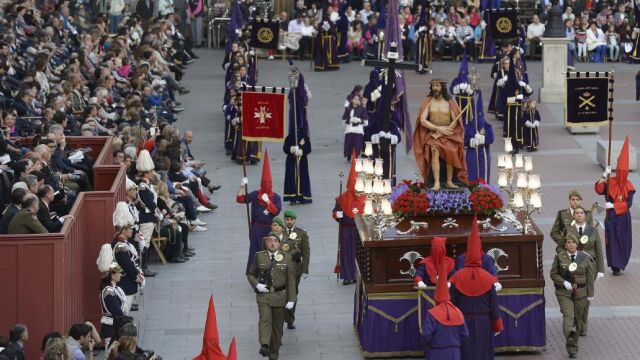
(264, 350)
(573, 355)
(348, 282)
(134, 309)
(177, 260)
(213, 188)
(211, 206)
(616, 271)
(183, 91)
(583, 333)
(148, 273)
(187, 254)
(291, 326)
(190, 249)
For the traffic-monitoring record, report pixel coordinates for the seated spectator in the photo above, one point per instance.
(568, 14)
(45, 342)
(446, 37)
(465, 39)
(596, 42)
(581, 39)
(26, 221)
(81, 341)
(52, 222)
(355, 42)
(613, 40)
(535, 30)
(56, 349)
(16, 202)
(18, 336)
(571, 35)
(365, 12)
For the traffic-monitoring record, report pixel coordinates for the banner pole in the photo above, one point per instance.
(244, 172)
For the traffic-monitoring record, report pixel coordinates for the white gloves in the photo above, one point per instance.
(265, 198)
(326, 26)
(522, 83)
(599, 276)
(422, 285)
(498, 286)
(235, 121)
(502, 81)
(528, 124)
(479, 139)
(293, 149)
(590, 299)
(339, 214)
(375, 94)
(536, 123)
(289, 305)
(422, 29)
(606, 172)
(473, 142)
(244, 181)
(608, 205)
(375, 139)
(356, 120)
(299, 152)
(567, 285)
(262, 288)
(375, 37)
(239, 32)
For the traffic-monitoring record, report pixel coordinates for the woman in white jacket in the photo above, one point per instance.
(596, 42)
(116, 8)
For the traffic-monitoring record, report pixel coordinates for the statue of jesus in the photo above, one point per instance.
(439, 135)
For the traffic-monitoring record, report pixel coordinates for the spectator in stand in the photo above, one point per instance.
(350, 14)
(408, 16)
(116, 9)
(446, 38)
(355, 42)
(80, 341)
(439, 15)
(534, 35)
(453, 16)
(474, 16)
(18, 336)
(46, 340)
(571, 35)
(596, 42)
(626, 40)
(52, 223)
(613, 41)
(365, 12)
(25, 221)
(581, 39)
(196, 11)
(465, 39)
(56, 349)
(12, 209)
(568, 14)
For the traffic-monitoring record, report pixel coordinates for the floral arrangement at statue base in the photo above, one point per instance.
(410, 199)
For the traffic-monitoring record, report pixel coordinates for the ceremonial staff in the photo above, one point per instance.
(475, 87)
(336, 269)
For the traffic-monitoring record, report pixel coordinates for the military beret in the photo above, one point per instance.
(274, 235)
(278, 220)
(290, 214)
(575, 193)
(571, 237)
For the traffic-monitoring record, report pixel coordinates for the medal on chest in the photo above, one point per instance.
(293, 236)
(573, 267)
(584, 239)
(285, 247)
(279, 257)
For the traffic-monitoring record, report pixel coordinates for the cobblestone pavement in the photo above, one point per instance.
(173, 315)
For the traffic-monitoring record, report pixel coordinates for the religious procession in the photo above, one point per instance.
(445, 223)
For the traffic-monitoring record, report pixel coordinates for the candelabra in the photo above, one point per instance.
(377, 207)
(524, 196)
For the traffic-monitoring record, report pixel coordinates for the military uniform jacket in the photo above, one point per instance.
(591, 244)
(582, 276)
(123, 256)
(562, 222)
(280, 279)
(149, 204)
(112, 299)
(298, 241)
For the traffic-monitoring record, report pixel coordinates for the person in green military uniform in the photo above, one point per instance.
(564, 219)
(273, 277)
(296, 243)
(573, 278)
(277, 227)
(589, 242)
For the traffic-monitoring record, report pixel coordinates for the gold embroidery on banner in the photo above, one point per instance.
(265, 35)
(504, 25)
(517, 316)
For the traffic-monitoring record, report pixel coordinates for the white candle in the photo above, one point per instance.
(368, 148)
(518, 201)
(368, 186)
(368, 166)
(519, 161)
(368, 207)
(386, 207)
(359, 165)
(378, 170)
(536, 201)
(508, 146)
(501, 161)
(359, 185)
(387, 187)
(502, 180)
(378, 187)
(528, 163)
(522, 181)
(508, 162)
(534, 181)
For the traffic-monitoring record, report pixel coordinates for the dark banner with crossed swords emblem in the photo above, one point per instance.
(589, 99)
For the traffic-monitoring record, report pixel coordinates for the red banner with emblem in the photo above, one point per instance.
(263, 116)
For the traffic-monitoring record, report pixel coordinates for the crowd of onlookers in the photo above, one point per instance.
(457, 27)
(72, 68)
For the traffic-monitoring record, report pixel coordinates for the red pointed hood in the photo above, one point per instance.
(437, 257)
(232, 353)
(349, 200)
(442, 289)
(265, 183)
(210, 340)
(445, 312)
(474, 246)
(472, 279)
(618, 185)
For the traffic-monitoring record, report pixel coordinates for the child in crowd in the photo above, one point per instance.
(531, 118)
(581, 41)
(356, 119)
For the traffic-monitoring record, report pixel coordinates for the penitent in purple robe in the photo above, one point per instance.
(531, 140)
(479, 314)
(349, 237)
(487, 263)
(356, 120)
(261, 220)
(442, 341)
(325, 49)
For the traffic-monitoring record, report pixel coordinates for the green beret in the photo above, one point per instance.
(278, 220)
(274, 235)
(290, 214)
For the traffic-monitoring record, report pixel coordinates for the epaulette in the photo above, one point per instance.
(121, 246)
(143, 185)
(110, 291)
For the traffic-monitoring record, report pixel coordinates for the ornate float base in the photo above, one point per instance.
(388, 324)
